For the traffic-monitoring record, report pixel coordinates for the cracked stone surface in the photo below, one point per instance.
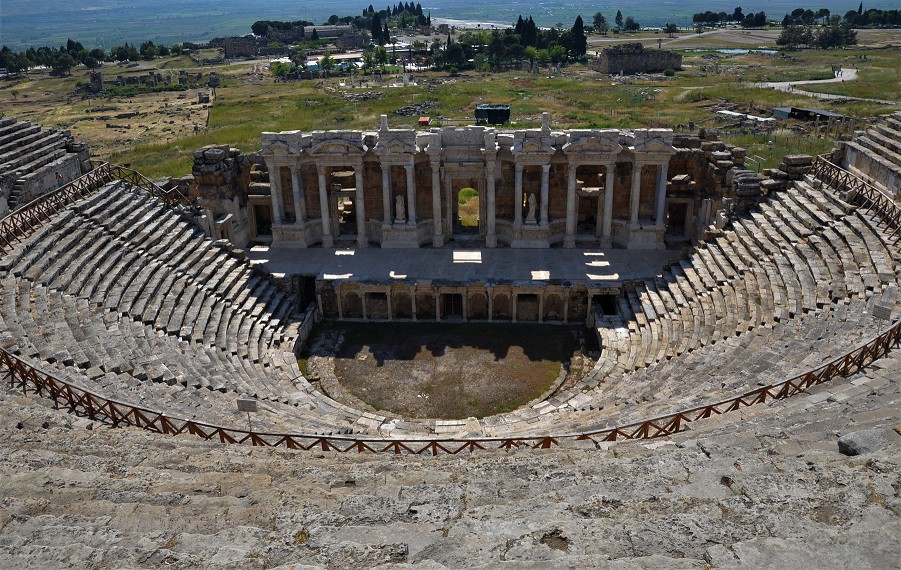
(766, 487)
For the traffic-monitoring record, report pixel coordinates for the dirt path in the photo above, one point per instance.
(844, 74)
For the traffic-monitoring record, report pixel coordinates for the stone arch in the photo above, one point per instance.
(503, 307)
(402, 305)
(425, 305)
(352, 305)
(553, 307)
(478, 306)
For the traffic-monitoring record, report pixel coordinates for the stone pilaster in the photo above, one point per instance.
(545, 192)
(300, 203)
(635, 193)
(490, 222)
(386, 194)
(275, 189)
(660, 197)
(437, 226)
(570, 238)
(360, 207)
(324, 211)
(411, 194)
(517, 197)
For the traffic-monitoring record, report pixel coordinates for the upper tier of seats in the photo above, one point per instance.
(876, 154)
(30, 157)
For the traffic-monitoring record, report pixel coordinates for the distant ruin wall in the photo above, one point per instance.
(634, 58)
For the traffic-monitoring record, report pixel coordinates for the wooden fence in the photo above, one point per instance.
(28, 377)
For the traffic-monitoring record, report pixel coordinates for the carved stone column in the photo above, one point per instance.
(437, 225)
(545, 191)
(660, 198)
(635, 195)
(411, 194)
(300, 202)
(360, 207)
(570, 238)
(275, 189)
(517, 197)
(608, 200)
(490, 237)
(386, 195)
(324, 211)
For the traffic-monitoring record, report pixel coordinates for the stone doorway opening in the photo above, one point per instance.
(676, 217)
(262, 215)
(607, 304)
(452, 306)
(467, 219)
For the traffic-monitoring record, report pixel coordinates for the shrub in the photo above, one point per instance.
(670, 72)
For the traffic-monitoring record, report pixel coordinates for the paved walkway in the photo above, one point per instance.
(374, 265)
(846, 74)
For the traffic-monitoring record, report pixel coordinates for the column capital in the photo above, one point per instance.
(546, 167)
(519, 166)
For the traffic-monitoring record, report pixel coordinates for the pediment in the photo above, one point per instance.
(336, 148)
(394, 148)
(277, 148)
(532, 146)
(593, 145)
(654, 146)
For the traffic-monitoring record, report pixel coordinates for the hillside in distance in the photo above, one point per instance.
(104, 23)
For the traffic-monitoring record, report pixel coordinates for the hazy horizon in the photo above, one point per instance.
(104, 23)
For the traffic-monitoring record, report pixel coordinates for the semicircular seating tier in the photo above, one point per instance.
(129, 299)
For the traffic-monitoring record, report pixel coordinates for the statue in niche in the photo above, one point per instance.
(533, 205)
(400, 211)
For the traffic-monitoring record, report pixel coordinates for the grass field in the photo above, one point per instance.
(160, 140)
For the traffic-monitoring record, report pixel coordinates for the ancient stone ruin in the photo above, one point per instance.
(34, 160)
(741, 409)
(631, 58)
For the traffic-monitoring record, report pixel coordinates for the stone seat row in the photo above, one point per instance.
(768, 354)
(138, 322)
(11, 129)
(876, 152)
(798, 253)
(100, 349)
(26, 156)
(167, 275)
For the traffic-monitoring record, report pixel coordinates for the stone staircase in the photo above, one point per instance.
(875, 154)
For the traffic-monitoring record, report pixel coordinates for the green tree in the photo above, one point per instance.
(598, 21)
(671, 29)
(63, 64)
(327, 63)
(631, 25)
(619, 20)
(531, 54)
(579, 41)
(556, 54)
(381, 57)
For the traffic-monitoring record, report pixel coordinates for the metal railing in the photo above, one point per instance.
(859, 191)
(100, 408)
